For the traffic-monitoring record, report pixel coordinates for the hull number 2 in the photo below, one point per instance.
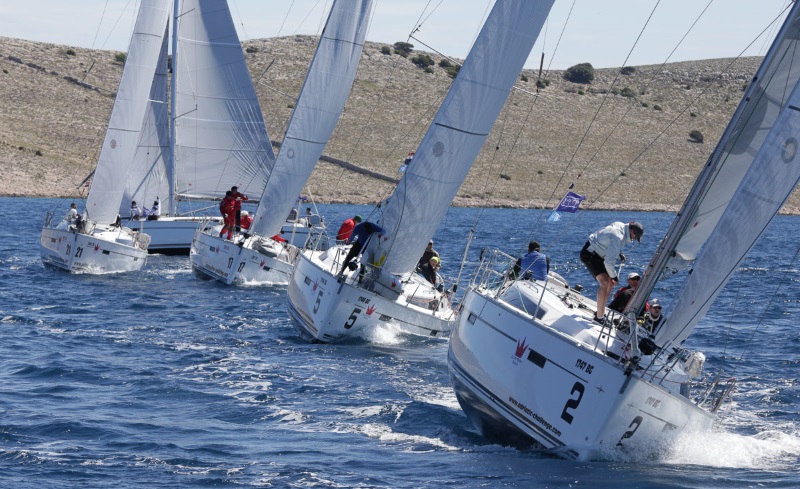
(573, 402)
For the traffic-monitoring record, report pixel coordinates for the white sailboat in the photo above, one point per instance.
(204, 131)
(257, 257)
(94, 243)
(526, 361)
(389, 292)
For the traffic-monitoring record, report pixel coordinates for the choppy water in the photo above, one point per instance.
(160, 379)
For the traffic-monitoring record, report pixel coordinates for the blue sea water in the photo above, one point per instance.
(161, 379)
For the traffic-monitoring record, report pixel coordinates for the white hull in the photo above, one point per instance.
(558, 380)
(251, 260)
(103, 251)
(328, 310)
(171, 235)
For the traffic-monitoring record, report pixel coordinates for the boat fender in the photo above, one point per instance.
(647, 346)
(694, 364)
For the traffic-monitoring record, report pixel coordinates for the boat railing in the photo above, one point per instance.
(493, 270)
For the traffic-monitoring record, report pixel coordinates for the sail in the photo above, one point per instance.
(128, 112)
(765, 187)
(149, 175)
(322, 98)
(760, 108)
(220, 136)
(725, 168)
(458, 131)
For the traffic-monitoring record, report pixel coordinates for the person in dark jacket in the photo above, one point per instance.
(427, 255)
(624, 295)
(359, 237)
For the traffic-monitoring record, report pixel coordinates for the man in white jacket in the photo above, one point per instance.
(600, 254)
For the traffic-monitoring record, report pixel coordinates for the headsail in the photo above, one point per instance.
(458, 131)
(128, 113)
(760, 145)
(723, 173)
(150, 175)
(325, 90)
(220, 136)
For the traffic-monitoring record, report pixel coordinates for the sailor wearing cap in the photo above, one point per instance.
(600, 254)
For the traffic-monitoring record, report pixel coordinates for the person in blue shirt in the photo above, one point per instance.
(533, 265)
(359, 237)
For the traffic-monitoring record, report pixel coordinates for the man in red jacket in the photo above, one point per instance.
(228, 209)
(347, 229)
(238, 198)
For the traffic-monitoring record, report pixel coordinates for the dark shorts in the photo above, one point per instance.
(594, 262)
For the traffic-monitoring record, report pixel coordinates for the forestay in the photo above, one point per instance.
(220, 136)
(128, 112)
(459, 130)
(321, 101)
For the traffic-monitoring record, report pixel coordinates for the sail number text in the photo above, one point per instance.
(586, 367)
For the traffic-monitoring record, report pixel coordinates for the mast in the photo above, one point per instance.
(173, 90)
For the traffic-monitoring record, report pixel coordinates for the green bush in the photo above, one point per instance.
(403, 48)
(70, 52)
(627, 92)
(121, 57)
(251, 49)
(428, 69)
(580, 73)
(542, 83)
(628, 70)
(452, 71)
(696, 136)
(657, 107)
(445, 64)
(423, 61)
(386, 50)
(523, 77)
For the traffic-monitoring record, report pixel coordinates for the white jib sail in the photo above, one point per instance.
(128, 112)
(760, 108)
(458, 131)
(322, 98)
(220, 136)
(149, 175)
(764, 189)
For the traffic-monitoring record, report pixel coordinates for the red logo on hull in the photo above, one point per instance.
(370, 310)
(521, 347)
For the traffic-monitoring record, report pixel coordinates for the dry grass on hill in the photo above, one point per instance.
(630, 152)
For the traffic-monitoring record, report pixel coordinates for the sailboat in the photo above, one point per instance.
(529, 366)
(257, 257)
(204, 131)
(94, 241)
(328, 302)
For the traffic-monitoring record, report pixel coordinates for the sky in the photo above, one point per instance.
(603, 33)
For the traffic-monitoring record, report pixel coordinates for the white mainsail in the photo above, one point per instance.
(128, 113)
(220, 136)
(700, 220)
(458, 131)
(321, 101)
(150, 174)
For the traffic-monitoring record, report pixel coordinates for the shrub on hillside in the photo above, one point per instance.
(696, 136)
(452, 71)
(121, 57)
(627, 92)
(403, 48)
(627, 70)
(580, 73)
(423, 61)
(70, 52)
(386, 50)
(251, 49)
(445, 64)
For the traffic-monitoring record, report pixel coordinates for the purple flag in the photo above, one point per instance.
(570, 202)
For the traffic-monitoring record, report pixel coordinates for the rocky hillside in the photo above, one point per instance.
(624, 139)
